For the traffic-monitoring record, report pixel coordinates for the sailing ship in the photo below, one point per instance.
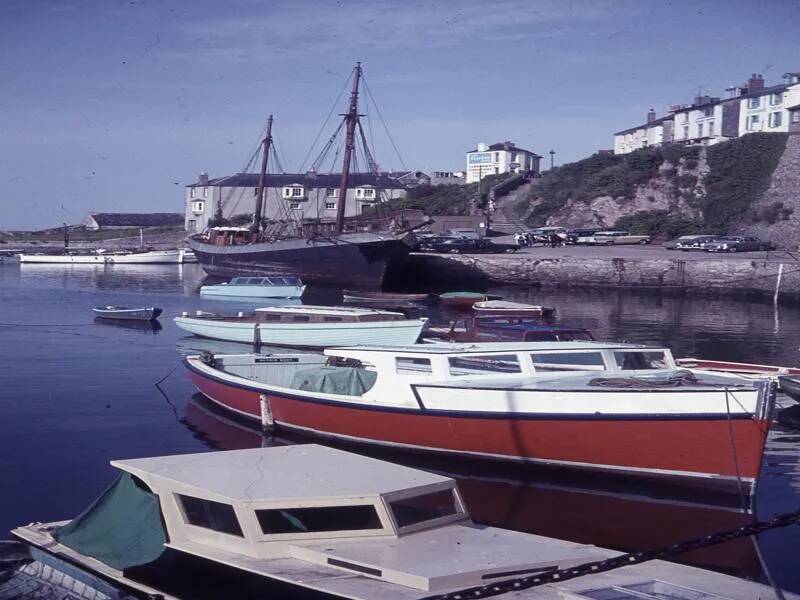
(354, 250)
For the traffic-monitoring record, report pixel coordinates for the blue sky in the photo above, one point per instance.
(115, 105)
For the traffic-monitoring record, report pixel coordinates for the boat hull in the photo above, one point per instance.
(249, 291)
(361, 259)
(131, 314)
(307, 335)
(134, 258)
(681, 447)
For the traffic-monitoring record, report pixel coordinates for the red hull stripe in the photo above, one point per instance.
(700, 446)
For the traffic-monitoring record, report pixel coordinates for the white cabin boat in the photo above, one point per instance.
(333, 522)
(106, 257)
(606, 407)
(276, 286)
(306, 326)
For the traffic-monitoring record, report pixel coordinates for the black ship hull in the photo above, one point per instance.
(358, 259)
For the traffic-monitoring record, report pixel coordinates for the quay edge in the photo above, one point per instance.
(716, 276)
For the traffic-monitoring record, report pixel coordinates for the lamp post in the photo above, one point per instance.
(552, 154)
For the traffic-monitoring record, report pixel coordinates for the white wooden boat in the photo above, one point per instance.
(613, 408)
(106, 257)
(127, 314)
(519, 309)
(306, 326)
(276, 286)
(319, 519)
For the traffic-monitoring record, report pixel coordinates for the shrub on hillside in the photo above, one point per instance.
(654, 222)
(773, 213)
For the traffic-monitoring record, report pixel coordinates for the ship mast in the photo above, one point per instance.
(351, 118)
(262, 181)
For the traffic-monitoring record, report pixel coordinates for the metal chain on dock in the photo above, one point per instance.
(602, 566)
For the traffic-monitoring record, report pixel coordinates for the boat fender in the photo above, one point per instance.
(790, 417)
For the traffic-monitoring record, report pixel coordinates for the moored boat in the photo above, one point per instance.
(306, 326)
(256, 287)
(585, 405)
(463, 299)
(386, 299)
(310, 518)
(504, 307)
(126, 313)
(790, 386)
(105, 257)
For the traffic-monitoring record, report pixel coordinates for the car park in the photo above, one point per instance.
(735, 243)
(614, 238)
(468, 246)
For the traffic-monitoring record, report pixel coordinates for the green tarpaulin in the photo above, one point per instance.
(349, 381)
(121, 529)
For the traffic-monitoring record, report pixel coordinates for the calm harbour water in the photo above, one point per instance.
(77, 393)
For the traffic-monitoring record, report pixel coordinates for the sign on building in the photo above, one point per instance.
(480, 158)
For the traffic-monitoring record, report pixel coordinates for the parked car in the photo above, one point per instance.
(541, 235)
(673, 244)
(574, 235)
(613, 238)
(426, 244)
(737, 244)
(698, 242)
(463, 233)
(468, 246)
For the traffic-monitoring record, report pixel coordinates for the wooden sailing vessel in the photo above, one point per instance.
(356, 250)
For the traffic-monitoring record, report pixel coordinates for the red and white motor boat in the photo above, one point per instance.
(589, 405)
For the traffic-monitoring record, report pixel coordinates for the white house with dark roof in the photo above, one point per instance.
(503, 157)
(290, 195)
(654, 132)
(767, 108)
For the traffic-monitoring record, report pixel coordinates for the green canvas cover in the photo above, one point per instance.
(348, 381)
(121, 529)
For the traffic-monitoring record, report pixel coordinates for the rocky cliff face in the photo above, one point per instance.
(778, 210)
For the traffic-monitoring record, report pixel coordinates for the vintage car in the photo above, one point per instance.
(735, 243)
(575, 235)
(467, 246)
(683, 240)
(615, 238)
(697, 242)
(541, 235)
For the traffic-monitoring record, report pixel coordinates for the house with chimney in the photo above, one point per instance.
(502, 157)
(708, 120)
(291, 196)
(653, 132)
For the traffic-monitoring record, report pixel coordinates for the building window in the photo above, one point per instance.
(198, 206)
(297, 192)
(753, 122)
(775, 99)
(796, 116)
(255, 191)
(686, 132)
(330, 205)
(754, 102)
(700, 130)
(369, 193)
(331, 193)
(686, 117)
(513, 157)
(210, 515)
(711, 129)
(192, 192)
(775, 119)
(205, 192)
(496, 156)
(708, 111)
(294, 205)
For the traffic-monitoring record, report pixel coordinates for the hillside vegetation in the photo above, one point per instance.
(672, 189)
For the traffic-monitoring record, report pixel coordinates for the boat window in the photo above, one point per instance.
(647, 589)
(318, 518)
(301, 318)
(210, 515)
(412, 364)
(292, 280)
(236, 280)
(333, 319)
(568, 361)
(481, 365)
(638, 360)
(417, 509)
(270, 317)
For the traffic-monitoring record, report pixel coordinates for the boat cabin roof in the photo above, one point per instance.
(272, 280)
(298, 472)
(492, 347)
(330, 311)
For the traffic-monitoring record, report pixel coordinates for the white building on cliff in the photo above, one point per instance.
(503, 157)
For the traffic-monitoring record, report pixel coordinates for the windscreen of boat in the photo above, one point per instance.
(568, 361)
(318, 518)
(484, 364)
(425, 507)
(641, 360)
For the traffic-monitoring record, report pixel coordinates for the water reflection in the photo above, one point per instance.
(146, 327)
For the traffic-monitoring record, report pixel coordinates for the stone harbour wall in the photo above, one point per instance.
(714, 275)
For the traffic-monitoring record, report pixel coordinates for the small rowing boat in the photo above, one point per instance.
(464, 299)
(276, 286)
(517, 309)
(386, 298)
(127, 314)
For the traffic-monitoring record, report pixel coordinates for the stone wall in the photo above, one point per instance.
(713, 276)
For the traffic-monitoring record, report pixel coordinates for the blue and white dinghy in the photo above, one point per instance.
(256, 287)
